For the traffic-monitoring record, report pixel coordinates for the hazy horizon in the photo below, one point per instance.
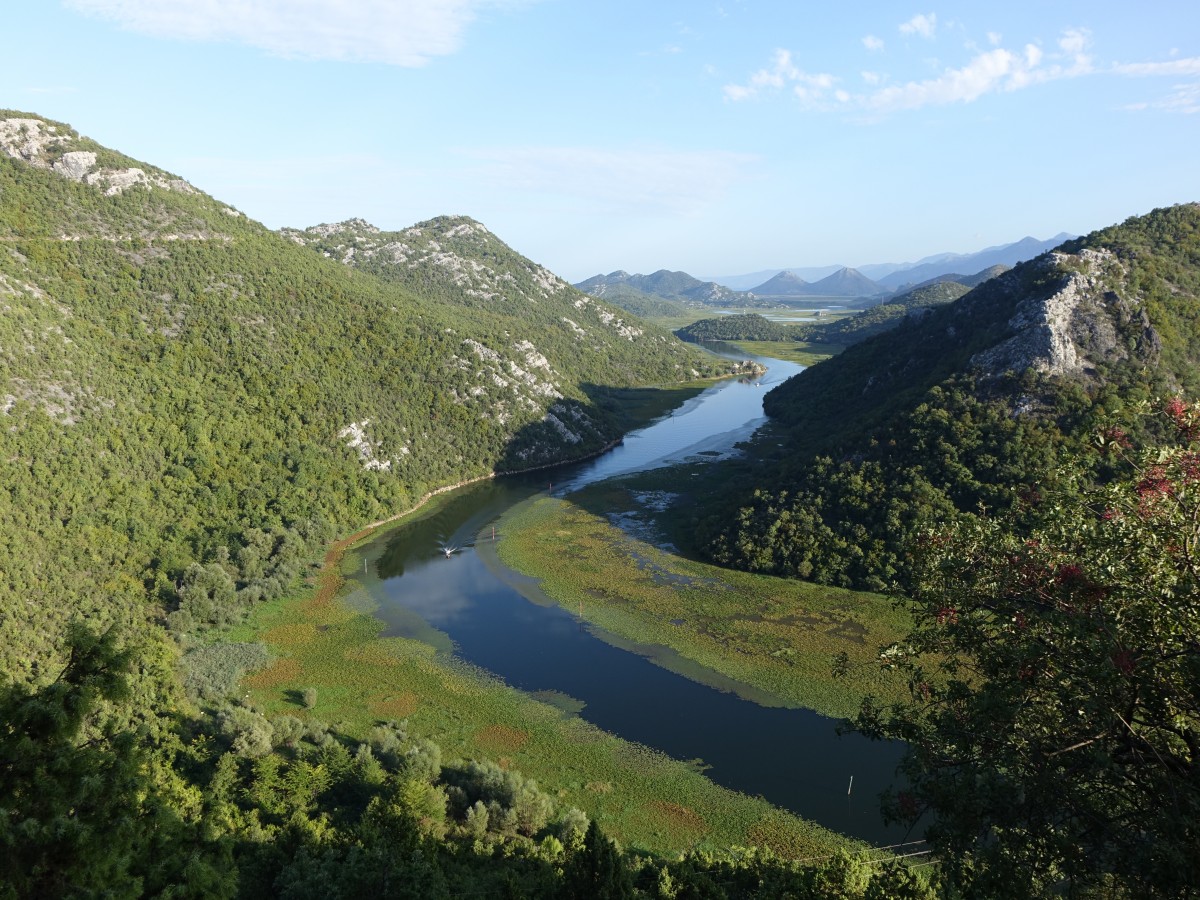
(717, 138)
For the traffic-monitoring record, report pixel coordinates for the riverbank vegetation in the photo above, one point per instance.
(639, 796)
(598, 552)
(967, 410)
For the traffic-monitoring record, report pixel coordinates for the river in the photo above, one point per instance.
(469, 604)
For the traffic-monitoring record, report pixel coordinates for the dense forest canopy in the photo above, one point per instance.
(194, 406)
(744, 327)
(964, 407)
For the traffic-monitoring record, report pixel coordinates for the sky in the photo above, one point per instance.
(716, 138)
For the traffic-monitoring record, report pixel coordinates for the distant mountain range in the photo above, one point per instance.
(842, 283)
(662, 284)
(894, 276)
(665, 293)
(950, 401)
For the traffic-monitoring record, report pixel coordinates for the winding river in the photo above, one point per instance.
(471, 605)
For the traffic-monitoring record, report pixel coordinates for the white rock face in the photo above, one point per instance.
(29, 139)
(76, 164)
(1067, 331)
(116, 181)
(356, 438)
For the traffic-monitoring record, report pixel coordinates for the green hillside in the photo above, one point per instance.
(882, 317)
(193, 404)
(744, 327)
(193, 407)
(965, 406)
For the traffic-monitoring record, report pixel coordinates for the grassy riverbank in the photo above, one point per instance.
(777, 635)
(793, 351)
(329, 641)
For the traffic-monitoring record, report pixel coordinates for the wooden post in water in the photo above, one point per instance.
(849, 789)
(493, 534)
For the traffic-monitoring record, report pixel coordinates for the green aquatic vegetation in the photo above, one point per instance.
(641, 797)
(775, 635)
(793, 351)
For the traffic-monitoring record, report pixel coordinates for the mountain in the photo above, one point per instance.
(971, 263)
(782, 284)
(881, 317)
(893, 276)
(747, 281)
(619, 287)
(963, 407)
(980, 277)
(192, 405)
(844, 282)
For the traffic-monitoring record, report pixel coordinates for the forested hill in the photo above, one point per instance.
(191, 403)
(966, 405)
(880, 318)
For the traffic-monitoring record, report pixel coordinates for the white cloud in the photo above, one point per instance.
(994, 38)
(1189, 66)
(654, 180)
(1074, 41)
(986, 72)
(1184, 99)
(872, 43)
(993, 71)
(782, 71)
(406, 33)
(923, 25)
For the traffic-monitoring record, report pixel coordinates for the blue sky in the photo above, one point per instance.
(714, 137)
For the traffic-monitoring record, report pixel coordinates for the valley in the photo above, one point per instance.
(399, 586)
(618, 585)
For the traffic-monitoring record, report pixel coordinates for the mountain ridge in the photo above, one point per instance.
(179, 381)
(889, 274)
(965, 404)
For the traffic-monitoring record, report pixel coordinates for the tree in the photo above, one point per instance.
(1054, 721)
(69, 787)
(597, 870)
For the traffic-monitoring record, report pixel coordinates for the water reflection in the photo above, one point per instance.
(792, 757)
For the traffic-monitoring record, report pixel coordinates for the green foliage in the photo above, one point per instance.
(743, 327)
(908, 429)
(882, 317)
(499, 800)
(597, 870)
(1054, 722)
(212, 671)
(69, 806)
(193, 405)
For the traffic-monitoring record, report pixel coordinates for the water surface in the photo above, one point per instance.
(466, 601)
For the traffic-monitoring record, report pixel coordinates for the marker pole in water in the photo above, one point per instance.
(849, 789)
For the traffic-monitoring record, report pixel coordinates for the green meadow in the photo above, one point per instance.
(331, 665)
(806, 354)
(598, 554)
